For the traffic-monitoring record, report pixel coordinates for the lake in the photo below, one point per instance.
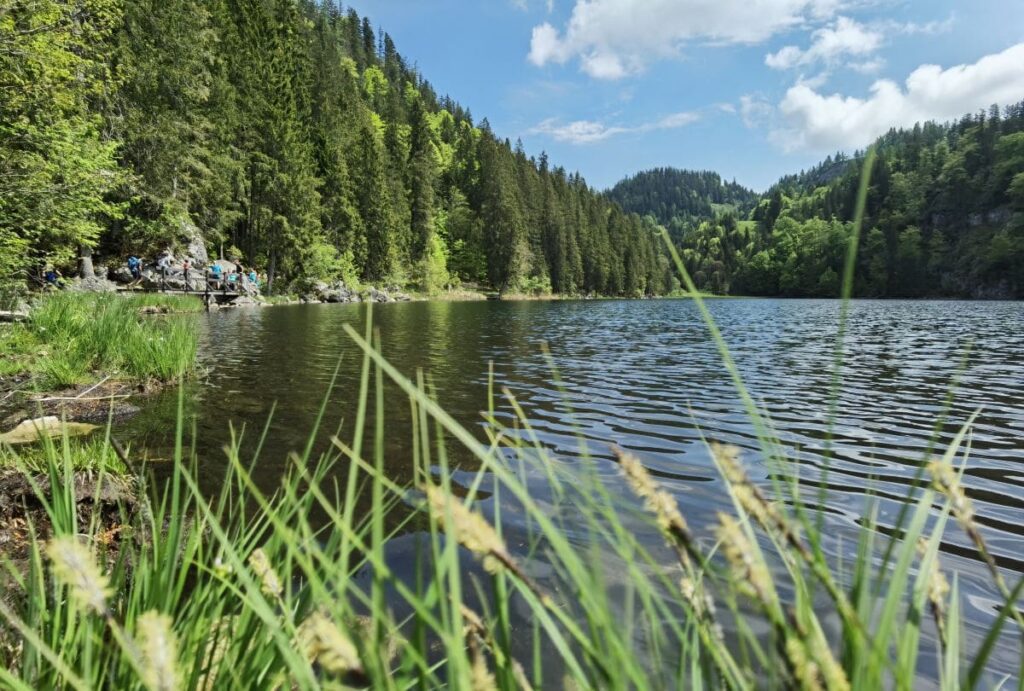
(644, 375)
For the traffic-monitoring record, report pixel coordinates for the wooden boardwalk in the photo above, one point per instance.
(215, 290)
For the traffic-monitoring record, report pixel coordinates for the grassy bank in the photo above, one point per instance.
(73, 339)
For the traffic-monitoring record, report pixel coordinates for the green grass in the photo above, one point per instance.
(73, 339)
(94, 454)
(280, 299)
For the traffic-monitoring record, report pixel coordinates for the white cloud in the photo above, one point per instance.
(579, 132)
(820, 122)
(755, 110)
(615, 38)
(932, 28)
(846, 37)
(589, 131)
(868, 66)
(524, 5)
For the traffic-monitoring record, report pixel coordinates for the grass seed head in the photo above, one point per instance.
(750, 574)
(945, 481)
(481, 677)
(75, 567)
(468, 527)
(270, 584)
(158, 649)
(656, 500)
(805, 671)
(328, 645)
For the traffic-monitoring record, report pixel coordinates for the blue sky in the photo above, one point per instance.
(753, 89)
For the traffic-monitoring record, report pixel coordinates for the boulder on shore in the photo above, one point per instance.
(94, 284)
(121, 275)
(13, 316)
(33, 430)
(336, 292)
(153, 281)
(195, 250)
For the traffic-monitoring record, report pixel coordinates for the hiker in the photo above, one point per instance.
(135, 267)
(254, 278)
(215, 275)
(164, 262)
(53, 278)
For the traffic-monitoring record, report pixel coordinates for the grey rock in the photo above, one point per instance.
(91, 285)
(121, 275)
(333, 293)
(196, 246)
(376, 295)
(174, 281)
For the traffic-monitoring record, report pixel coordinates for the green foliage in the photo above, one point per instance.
(434, 266)
(56, 167)
(282, 129)
(325, 263)
(945, 211)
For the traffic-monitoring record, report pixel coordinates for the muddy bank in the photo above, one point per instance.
(23, 516)
(107, 400)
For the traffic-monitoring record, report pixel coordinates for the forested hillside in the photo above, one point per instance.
(288, 130)
(676, 197)
(945, 217)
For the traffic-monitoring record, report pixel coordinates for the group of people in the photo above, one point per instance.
(238, 277)
(216, 276)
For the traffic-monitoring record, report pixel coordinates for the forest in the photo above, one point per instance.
(944, 218)
(291, 134)
(676, 198)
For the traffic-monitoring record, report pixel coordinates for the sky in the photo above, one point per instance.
(752, 89)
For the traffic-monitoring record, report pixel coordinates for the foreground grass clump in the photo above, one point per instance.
(93, 454)
(303, 590)
(72, 339)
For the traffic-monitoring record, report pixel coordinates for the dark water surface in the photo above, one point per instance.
(646, 376)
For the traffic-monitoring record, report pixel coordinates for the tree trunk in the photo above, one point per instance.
(271, 270)
(85, 268)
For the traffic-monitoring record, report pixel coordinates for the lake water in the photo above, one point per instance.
(645, 376)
